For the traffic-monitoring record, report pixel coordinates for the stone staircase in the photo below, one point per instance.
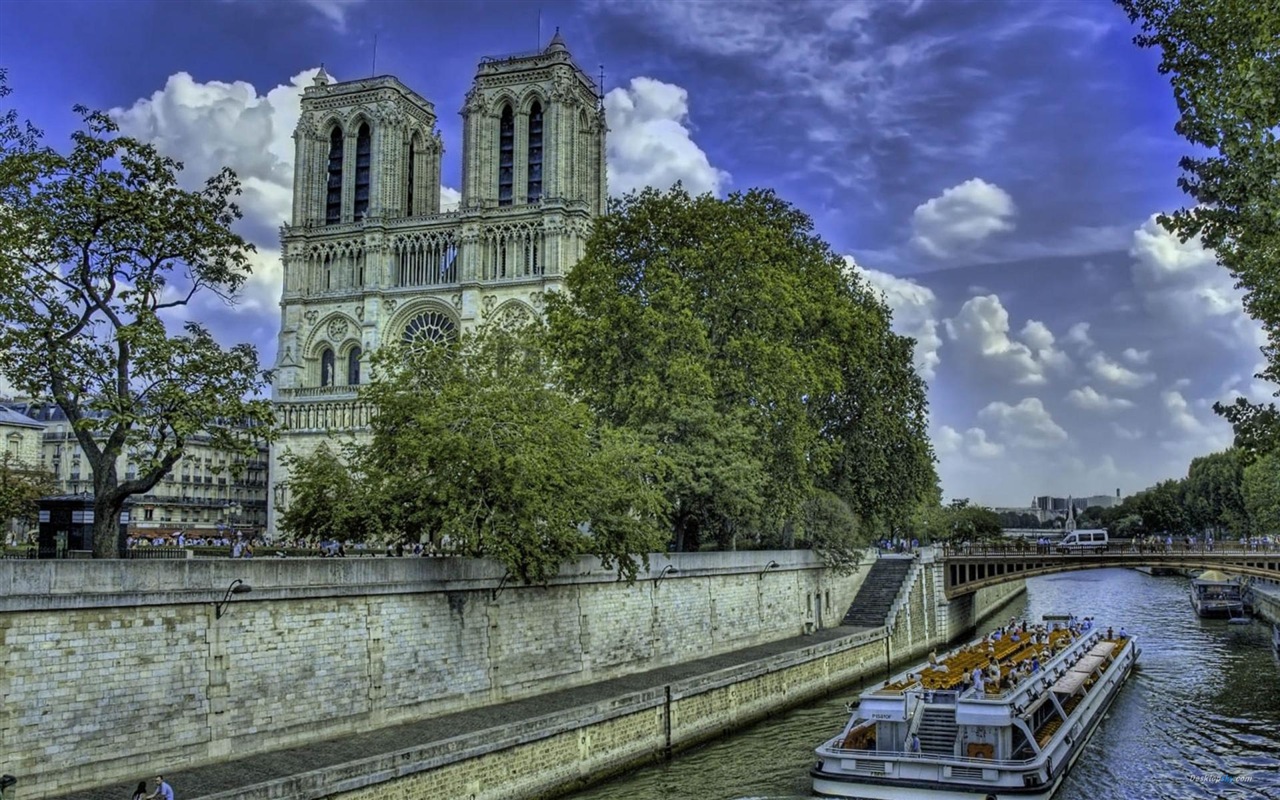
(937, 731)
(870, 609)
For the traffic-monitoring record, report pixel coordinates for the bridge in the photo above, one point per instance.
(968, 569)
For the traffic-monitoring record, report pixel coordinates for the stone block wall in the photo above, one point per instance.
(108, 668)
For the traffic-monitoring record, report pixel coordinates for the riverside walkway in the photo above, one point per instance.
(285, 773)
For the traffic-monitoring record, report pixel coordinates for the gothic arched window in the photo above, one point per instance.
(413, 147)
(326, 367)
(430, 326)
(353, 367)
(333, 195)
(364, 153)
(506, 156)
(534, 193)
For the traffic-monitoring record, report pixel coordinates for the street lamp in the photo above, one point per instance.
(669, 569)
(771, 565)
(237, 587)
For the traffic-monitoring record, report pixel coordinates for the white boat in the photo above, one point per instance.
(927, 733)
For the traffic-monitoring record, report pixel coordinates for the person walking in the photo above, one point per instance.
(163, 790)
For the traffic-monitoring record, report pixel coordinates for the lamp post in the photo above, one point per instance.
(237, 587)
(669, 569)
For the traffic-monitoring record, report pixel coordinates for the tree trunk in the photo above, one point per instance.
(107, 504)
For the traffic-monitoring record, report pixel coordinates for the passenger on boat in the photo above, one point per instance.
(1123, 635)
(1111, 634)
(1035, 663)
(914, 744)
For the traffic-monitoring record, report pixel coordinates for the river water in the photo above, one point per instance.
(1199, 718)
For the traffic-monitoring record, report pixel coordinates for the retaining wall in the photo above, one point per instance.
(110, 667)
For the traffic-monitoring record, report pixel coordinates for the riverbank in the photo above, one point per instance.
(546, 745)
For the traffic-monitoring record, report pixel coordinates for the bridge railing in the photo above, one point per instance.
(1115, 546)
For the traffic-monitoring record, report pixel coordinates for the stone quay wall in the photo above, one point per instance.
(553, 756)
(109, 668)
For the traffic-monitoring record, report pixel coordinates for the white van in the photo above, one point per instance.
(1084, 541)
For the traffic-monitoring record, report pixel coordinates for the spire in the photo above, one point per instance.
(557, 44)
(321, 78)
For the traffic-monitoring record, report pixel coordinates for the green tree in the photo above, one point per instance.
(832, 531)
(475, 447)
(1257, 426)
(95, 245)
(729, 335)
(1223, 62)
(1261, 490)
(1212, 493)
(327, 500)
(21, 486)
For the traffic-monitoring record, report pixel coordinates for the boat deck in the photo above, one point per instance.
(950, 671)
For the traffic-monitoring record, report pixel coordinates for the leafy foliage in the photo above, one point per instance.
(475, 449)
(1223, 62)
(21, 486)
(95, 246)
(1261, 490)
(731, 337)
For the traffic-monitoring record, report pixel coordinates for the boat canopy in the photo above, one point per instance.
(1214, 576)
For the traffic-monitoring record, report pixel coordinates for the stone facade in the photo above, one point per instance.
(20, 438)
(369, 257)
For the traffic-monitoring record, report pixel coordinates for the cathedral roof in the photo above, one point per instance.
(557, 43)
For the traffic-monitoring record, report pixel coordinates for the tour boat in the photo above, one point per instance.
(1215, 594)
(928, 733)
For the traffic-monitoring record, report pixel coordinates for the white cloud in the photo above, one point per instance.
(973, 443)
(981, 330)
(1078, 335)
(1090, 399)
(1116, 374)
(961, 218)
(913, 309)
(1180, 415)
(650, 142)
(1125, 434)
(1135, 356)
(450, 199)
(1181, 282)
(334, 10)
(1028, 424)
(211, 125)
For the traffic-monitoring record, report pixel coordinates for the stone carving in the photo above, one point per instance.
(391, 304)
(474, 101)
(488, 304)
(360, 313)
(337, 329)
(536, 299)
(457, 301)
(311, 315)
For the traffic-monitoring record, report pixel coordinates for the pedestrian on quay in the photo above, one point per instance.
(141, 792)
(163, 790)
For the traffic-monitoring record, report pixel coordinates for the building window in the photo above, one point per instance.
(534, 193)
(333, 199)
(364, 153)
(431, 326)
(413, 155)
(326, 367)
(353, 367)
(506, 156)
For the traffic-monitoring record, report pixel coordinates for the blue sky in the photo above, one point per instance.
(993, 167)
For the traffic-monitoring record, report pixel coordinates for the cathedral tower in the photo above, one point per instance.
(370, 258)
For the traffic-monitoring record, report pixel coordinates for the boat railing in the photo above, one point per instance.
(964, 761)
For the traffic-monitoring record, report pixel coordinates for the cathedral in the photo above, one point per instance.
(368, 255)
